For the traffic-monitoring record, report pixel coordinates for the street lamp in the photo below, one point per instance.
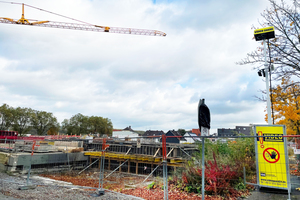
(265, 34)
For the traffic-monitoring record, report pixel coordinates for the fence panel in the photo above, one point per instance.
(135, 167)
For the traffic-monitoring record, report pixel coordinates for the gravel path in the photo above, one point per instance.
(47, 189)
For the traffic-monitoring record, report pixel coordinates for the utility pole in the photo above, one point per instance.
(267, 69)
(264, 34)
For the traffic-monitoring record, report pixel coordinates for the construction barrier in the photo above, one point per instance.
(267, 159)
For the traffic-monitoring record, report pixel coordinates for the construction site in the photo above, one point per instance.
(127, 164)
(15, 156)
(52, 155)
(49, 75)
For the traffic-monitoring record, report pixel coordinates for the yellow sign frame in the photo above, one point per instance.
(272, 163)
(264, 30)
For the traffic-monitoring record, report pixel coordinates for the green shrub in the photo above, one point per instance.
(290, 152)
(151, 185)
(224, 163)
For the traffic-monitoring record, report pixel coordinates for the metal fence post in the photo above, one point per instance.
(27, 182)
(68, 156)
(165, 166)
(244, 171)
(203, 171)
(287, 168)
(101, 175)
(101, 172)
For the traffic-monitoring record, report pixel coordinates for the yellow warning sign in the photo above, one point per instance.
(271, 159)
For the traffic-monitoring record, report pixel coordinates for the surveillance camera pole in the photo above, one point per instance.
(267, 84)
(264, 34)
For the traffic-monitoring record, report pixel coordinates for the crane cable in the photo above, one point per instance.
(47, 12)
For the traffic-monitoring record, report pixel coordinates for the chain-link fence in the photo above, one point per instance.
(135, 166)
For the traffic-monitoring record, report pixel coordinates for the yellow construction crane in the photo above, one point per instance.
(83, 26)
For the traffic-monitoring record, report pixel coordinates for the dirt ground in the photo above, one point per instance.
(2, 196)
(122, 183)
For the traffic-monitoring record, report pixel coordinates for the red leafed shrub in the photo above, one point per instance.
(219, 180)
(184, 178)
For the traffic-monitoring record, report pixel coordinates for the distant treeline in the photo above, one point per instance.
(29, 121)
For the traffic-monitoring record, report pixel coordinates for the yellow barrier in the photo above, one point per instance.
(146, 158)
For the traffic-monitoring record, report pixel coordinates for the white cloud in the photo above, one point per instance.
(142, 81)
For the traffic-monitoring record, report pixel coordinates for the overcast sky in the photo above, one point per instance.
(146, 82)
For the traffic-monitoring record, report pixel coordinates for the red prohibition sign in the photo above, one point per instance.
(272, 154)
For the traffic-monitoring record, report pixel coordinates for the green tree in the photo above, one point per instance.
(42, 121)
(181, 131)
(107, 127)
(285, 48)
(95, 124)
(78, 124)
(65, 127)
(100, 125)
(22, 118)
(6, 117)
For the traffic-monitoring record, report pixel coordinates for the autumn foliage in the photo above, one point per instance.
(286, 104)
(224, 164)
(219, 180)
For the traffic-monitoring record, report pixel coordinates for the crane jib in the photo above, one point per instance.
(85, 27)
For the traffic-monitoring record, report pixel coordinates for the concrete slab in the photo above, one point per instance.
(267, 193)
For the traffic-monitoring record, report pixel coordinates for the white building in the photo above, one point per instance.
(125, 134)
(190, 138)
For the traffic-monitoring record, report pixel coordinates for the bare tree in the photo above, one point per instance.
(284, 49)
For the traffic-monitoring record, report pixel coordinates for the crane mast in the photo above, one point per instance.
(83, 27)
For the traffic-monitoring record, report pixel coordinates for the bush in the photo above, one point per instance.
(290, 151)
(239, 153)
(219, 180)
(224, 164)
(151, 185)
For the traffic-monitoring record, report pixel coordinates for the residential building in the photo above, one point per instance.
(127, 134)
(190, 138)
(176, 139)
(223, 132)
(196, 131)
(244, 130)
(153, 136)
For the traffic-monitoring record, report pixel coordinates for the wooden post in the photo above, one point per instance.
(137, 168)
(128, 166)
(108, 163)
(120, 169)
(151, 167)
